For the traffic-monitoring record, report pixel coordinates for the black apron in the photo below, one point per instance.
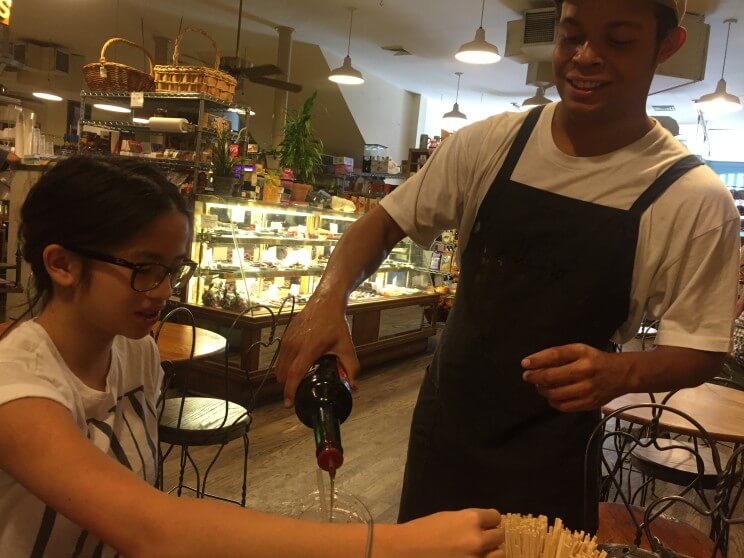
(540, 270)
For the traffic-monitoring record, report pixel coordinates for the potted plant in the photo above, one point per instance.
(222, 163)
(300, 150)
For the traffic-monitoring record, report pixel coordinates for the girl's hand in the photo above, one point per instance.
(472, 533)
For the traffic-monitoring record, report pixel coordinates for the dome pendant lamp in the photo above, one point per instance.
(454, 119)
(538, 100)
(720, 102)
(479, 51)
(346, 74)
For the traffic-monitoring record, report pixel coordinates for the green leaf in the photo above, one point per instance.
(300, 150)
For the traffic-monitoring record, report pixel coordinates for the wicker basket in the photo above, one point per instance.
(108, 77)
(195, 79)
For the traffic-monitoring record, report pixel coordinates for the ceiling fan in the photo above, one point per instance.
(259, 74)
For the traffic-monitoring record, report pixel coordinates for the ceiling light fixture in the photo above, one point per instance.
(455, 119)
(46, 96)
(720, 102)
(346, 74)
(537, 101)
(138, 120)
(111, 108)
(242, 111)
(479, 51)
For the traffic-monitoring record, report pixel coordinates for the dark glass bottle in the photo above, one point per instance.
(323, 402)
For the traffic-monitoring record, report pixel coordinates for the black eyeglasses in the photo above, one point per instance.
(146, 276)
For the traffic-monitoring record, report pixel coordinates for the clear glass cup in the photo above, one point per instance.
(346, 508)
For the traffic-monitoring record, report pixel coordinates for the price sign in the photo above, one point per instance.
(136, 99)
(5, 9)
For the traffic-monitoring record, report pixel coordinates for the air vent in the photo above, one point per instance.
(19, 53)
(539, 26)
(664, 108)
(397, 50)
(62, 61)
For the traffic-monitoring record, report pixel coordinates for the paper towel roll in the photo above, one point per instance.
(177, 125)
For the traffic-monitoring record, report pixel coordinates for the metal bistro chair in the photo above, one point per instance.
(628, 528)
(188, 420)
(732, 487)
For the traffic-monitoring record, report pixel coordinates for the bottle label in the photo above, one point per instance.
(343, 375)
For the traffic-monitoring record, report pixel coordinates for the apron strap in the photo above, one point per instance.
(669, 177)
(520, 142)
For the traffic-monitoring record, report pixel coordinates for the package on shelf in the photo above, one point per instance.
(380, 165)
(364, 204)
(341, 204)
(135, 148)
(343, 165)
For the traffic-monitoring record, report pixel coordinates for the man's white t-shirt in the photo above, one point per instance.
(120, 421)
(686, 265)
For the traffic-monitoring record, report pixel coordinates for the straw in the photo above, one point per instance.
(531, 537)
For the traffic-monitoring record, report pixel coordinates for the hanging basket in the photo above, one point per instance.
(195, 79)
(105, 76)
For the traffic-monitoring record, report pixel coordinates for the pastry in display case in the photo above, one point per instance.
(251, 252)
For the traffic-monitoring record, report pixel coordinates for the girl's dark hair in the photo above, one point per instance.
(666, 19)
(94, 203)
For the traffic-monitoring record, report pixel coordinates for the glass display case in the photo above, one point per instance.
(257, 253)
(252, 252)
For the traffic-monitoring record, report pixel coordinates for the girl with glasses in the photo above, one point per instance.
(107, 242)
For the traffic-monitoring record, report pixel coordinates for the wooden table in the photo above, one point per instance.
(720, 411)
(174, 343)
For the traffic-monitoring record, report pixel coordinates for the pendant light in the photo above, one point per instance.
(455, 119)
(112, 108)
(720, 102)
(346, 74)
(46, 96)
(479, 51)
(537, 101)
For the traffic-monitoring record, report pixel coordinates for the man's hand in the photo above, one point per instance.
(320, 329)
(576, 377)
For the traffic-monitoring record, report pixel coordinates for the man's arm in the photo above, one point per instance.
(321, 327)
(579, 378)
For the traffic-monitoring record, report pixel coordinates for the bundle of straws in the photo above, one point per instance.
(530, 537)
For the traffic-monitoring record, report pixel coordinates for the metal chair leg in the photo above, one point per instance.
(199, 493)
(209, 468)
(182, 470)
(245, 469)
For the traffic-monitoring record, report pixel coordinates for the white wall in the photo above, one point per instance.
(431, 115)
(384, 113)
(723, 145)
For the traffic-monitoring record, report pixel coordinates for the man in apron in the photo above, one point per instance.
(575, 221)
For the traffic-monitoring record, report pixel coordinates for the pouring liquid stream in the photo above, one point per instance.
(332, 496)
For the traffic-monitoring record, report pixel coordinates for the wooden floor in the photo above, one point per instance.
(282, 470)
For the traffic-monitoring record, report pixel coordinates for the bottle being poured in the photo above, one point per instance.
(323, 402)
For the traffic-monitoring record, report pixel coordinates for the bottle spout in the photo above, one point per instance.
(330, 459)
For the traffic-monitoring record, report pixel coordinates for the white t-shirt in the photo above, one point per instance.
(686, 265)
(121, 422)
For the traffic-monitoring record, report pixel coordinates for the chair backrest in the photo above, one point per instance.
(620, 442)
(287, 308)
(170, 368)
